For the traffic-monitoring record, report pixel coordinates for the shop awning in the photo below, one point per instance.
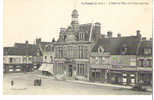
(46, 67)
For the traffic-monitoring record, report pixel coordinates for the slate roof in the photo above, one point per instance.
(116, 45)
(85, 28)
(21, 49)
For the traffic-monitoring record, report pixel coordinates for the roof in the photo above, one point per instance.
(85, 29)
(21, 49)
(46, 46)
(115, 46)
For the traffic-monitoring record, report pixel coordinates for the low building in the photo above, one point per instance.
(122, 50)
(144, 62)
(48, 55)
(99, 66)
(22, 57)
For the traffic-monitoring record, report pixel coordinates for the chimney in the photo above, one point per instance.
(138, 34)
(26, 42)
(144, 38)
(38, 41)
(119, 35)
(109, 34)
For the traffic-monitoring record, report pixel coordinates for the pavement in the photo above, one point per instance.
(24, 85)
(149, 88)
(100, 84)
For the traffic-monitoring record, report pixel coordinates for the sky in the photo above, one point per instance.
(31, 19)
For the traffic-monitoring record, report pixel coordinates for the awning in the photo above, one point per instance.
(46, 67)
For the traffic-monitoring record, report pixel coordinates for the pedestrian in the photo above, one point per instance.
(40, 82)
(12, 83)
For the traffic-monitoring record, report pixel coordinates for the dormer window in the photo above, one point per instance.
(81, 36)
(147, 51)
(100, 50)
(124, 49)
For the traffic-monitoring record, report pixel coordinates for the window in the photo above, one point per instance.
(150, 62)
(60, 68)
(51, 58)
(30, 59)
(80, 69)
(10, 66)
(11, 60)
(81, 36)
(24, 59)
(52, 48)
(45, 57)
(145, 63)
(147, 51)
(70, 52)
(100, 50)
(81, 52)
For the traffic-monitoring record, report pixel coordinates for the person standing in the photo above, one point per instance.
(12, 83)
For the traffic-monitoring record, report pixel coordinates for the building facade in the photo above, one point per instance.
(48, 55)
(20, 58)
(82, 52)
(73, 48)
(144, 62)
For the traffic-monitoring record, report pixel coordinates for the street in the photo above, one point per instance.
(24, 85)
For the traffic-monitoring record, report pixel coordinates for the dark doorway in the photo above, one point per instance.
(70, 70)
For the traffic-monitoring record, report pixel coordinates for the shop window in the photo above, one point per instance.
(97, 74)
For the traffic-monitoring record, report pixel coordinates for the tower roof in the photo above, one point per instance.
(75, 13)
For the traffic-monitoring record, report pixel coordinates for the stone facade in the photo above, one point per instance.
(72, 59)
(73, 48)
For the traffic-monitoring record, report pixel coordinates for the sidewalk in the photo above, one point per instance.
(92, 83)
(109, 85)
(100, 84)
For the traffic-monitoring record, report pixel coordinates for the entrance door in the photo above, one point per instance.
(70, 70)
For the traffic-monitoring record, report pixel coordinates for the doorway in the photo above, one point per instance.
(70, 70)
